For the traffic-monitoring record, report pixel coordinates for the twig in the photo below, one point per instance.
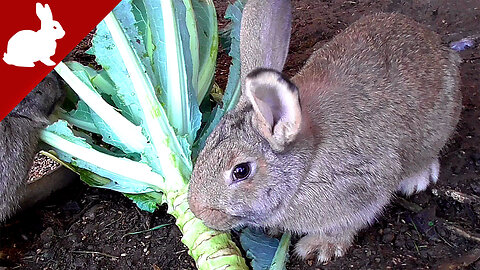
(462, 262)
(456, 195)
(462, 233)
(94, 253)
(148, 230)
(411, 206)
(446, 242)
(471, 59)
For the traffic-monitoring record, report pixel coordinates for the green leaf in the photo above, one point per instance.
(126, 175)
(207, 31)
(139, 91)
(171, 63)
(189, 59)
(127, 133)
(266, 253)
(147, 201)
(281, 255)
(233, 89)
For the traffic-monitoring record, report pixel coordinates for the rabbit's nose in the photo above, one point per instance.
(211, 217)
(195, 205)
(203, 210)
(216, 219)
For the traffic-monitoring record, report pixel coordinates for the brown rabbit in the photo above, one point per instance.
(19, 135)
(323, 154)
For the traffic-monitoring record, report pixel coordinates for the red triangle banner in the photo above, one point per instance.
(29, 36)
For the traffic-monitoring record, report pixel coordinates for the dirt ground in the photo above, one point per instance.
(86, 228)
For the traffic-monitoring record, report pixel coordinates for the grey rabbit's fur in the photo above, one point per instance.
(365, 117)
(19, 135)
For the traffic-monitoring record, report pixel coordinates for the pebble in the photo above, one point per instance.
(475, 185)
(400, 241)
(47, 235)
(388, 238)
(477, 265)
(79, 262)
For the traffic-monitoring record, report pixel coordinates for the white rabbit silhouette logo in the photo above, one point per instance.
(27, 46)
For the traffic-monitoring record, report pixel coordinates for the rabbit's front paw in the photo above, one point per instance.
(323, 247)
(420, 181)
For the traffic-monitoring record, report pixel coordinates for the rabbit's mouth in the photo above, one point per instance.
(217, 219)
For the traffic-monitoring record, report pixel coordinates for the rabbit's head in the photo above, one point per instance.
(240, 176)
(254, 159)
(48, 25)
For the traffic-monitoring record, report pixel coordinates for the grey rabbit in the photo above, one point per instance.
(19, 135)
(322, 154)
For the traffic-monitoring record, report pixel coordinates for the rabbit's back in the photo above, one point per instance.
(385, 84)
(19, 134)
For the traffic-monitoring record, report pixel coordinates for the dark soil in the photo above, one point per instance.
(85, 228)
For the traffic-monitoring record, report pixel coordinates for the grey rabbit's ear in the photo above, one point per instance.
(276, 104)
(44, 13)
(265, 35)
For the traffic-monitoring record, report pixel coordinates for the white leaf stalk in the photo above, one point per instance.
(128, 133)
(124, 167)
(178, 101)
(160, 132)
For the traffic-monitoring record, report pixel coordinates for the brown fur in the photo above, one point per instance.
(378, 103)
(19, 132)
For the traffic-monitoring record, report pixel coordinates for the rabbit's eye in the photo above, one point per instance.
(241, 172)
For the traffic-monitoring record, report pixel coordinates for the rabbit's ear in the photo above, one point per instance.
(44, 13)
(276, 104)
(265, 35)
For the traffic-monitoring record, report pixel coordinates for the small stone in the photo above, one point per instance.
(477, 265)
(400, 241)
(410, 244)
(388, 238)
(475, 185)
(79, 262)
(47, 235)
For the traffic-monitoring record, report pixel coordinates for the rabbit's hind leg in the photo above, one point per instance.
(420, 180)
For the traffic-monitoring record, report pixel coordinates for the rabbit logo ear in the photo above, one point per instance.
(27, 47)
(44, 13)
(276, 104)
